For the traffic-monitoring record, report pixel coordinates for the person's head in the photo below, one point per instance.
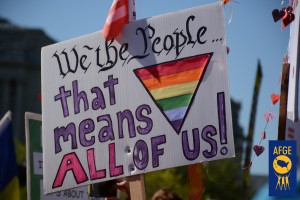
(165, 194)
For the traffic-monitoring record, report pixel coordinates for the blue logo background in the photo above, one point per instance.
(282, 168)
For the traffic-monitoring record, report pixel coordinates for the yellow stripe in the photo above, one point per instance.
(174, 90)
(12, 190)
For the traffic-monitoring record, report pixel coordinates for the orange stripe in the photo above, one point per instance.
(173, 79)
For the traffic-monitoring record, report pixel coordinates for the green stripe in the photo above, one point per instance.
(175, 102)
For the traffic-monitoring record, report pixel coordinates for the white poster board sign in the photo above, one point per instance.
(34, 163)
(292, 133)
(293, 53)
(157, 97)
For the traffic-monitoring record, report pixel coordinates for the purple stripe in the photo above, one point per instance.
(176, 124)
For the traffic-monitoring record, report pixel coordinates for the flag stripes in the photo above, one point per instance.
(9, 182)
(173, 79)
(173, 85)
(174, 90)
(172, 67)
(117, 17)
(175, 102)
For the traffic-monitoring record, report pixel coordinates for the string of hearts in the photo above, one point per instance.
(194, 179)
(268, 115)
(287, 16)
(285, 13)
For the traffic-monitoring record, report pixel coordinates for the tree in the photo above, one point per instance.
(224, 179)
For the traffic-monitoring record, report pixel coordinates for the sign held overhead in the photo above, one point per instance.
(156, 97)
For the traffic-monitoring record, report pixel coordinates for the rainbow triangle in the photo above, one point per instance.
(173, 85)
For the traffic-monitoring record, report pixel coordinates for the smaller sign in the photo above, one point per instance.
(38, 163)
(33, 123)
(282, 168)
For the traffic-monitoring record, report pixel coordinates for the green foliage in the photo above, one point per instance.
(20, 152)
(224, 180)
(23, 193)
(173, 179)
(21, 158)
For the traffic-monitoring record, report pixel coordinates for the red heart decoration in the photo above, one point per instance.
(288, 9)
(263, 135)
(275, 98)
(277, 15)
(258, 149)
(40, 98)
(287, 19)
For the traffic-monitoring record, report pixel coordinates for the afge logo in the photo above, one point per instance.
(282, 168)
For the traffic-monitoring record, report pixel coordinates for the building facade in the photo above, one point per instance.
(20, 72)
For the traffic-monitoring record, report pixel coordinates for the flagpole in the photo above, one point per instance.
(136, 182)
(132, 13)
(249, 139)
(283, 101)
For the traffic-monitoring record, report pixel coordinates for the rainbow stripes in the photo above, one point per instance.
(172, 85)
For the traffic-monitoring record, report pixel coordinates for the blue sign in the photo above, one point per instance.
(282, 168)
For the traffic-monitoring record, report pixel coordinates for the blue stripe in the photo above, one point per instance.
(175, 114)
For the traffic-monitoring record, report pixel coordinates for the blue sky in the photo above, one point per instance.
(252, 35)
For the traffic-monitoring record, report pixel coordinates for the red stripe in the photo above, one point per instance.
(173, 67)
(118, 4)
(112, 30)
(173, 79)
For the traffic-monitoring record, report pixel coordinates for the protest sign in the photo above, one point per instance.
(291, 133)
(34, 151)
(156, 97)
(293, 59)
